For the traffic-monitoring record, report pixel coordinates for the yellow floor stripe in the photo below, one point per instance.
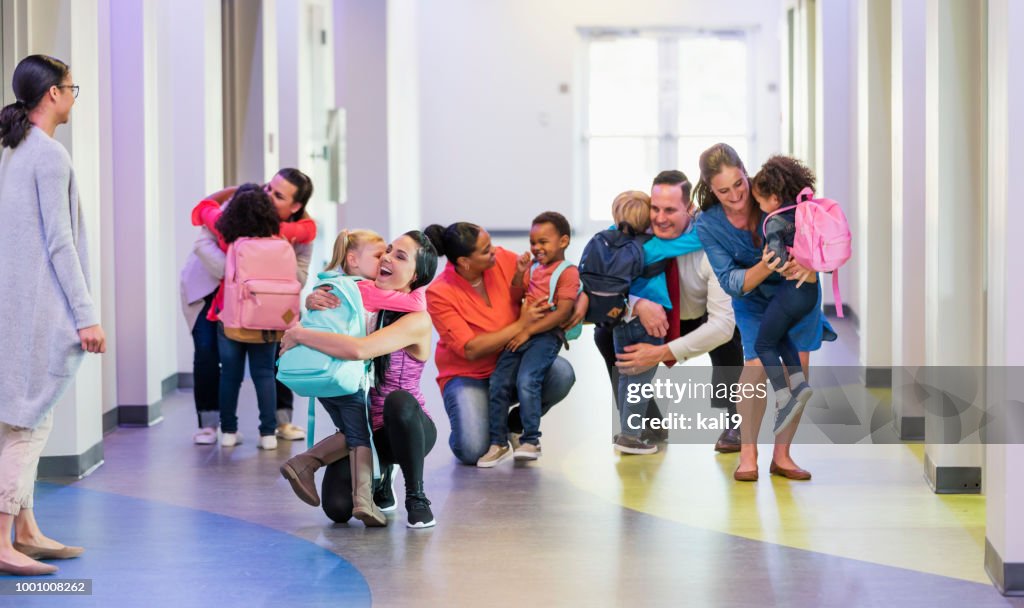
(866, 502)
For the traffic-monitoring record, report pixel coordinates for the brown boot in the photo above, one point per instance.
(363, 507)
(299, 470)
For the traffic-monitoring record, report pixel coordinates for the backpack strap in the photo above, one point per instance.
(805, 195)
(310, 422)
(835, 293)
(764, 224)
(554, 280)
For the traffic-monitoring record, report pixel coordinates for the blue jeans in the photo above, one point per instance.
(348, 414)
(788, 307)
(261, 369)
(466, 402)
(521, 372)
(206, 367)
(632, 409)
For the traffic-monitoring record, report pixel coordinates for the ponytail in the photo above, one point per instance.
(350, 240)
(14, 124)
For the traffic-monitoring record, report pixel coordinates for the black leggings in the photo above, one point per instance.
(406, 438)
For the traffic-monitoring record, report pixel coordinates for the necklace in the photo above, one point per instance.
(478, 283)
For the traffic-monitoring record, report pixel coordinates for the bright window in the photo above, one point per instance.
(656, 101)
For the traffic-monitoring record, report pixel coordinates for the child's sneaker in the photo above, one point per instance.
(494, 456)
(230, 440)
(205, 436)
(627, 444)
(267, 442)
(792, 408)
(527, 451)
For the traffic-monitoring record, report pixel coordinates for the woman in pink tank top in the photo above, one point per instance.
(403, 432)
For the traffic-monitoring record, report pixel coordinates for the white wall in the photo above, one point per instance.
(488, 70)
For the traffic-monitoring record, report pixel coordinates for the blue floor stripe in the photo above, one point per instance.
(149, 554)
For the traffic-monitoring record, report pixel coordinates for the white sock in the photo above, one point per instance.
(782, 397)
(796, 379)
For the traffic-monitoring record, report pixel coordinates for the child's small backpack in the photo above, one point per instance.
(822, 239)
(610, 262)
(575, 331)
(260, 289)
(311, 373)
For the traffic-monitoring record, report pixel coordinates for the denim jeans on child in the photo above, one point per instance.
(631, 415)
(521, 372)
(348, 414)
(261, 369)
(787, 307)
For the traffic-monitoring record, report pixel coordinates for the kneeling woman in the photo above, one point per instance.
(403, 432)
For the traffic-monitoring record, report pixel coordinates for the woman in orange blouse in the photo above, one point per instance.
(475, 314)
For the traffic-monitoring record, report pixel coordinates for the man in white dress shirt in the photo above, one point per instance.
(706, 321)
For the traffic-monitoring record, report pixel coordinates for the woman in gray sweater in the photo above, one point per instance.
(50, 317)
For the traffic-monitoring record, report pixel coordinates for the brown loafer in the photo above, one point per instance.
(745, 475)
(728, 442)
(797, 474)
(35, 552)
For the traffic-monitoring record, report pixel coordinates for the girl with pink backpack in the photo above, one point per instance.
(258, 299)
(781, 186)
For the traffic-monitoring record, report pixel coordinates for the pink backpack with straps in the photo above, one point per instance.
(260, 286)
(822, 239)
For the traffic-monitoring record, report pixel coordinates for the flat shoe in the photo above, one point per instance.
(797, 474)
(43, 553)
(35, 569)
(745, 475)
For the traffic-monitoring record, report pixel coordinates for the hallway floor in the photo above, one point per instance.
(168, 523)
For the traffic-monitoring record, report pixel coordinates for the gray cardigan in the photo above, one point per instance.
(44, 290)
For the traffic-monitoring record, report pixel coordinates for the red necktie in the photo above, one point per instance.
(672, 282)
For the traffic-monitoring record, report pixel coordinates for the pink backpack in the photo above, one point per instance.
(822, 239)
(260, 288)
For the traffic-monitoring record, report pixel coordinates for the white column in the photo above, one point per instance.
(139, 235)
(1004, 486)
(873, 245)
(361, 84)
(954, 306)
(908, 210)
(194, 141)
(403, 117)
(834, 149)
(76, 445)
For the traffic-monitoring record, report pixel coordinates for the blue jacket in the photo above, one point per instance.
(655, 288)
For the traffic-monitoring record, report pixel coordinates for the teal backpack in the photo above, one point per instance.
(575, 331)
(311, 373)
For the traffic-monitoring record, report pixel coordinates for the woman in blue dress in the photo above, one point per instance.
(729, 227)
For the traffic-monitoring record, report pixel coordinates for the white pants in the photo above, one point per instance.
(19, 459)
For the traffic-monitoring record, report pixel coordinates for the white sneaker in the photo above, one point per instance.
(267, 442)
(205, 436)
(290, 432)
(230, 440)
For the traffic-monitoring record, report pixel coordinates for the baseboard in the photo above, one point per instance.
(169, 384)
(878, 377)
(110, 421)
(848, 313)
(139, 415)
(186, 380)
(1008, 578)
(952, 480)
(909, 428)
(78, 465)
